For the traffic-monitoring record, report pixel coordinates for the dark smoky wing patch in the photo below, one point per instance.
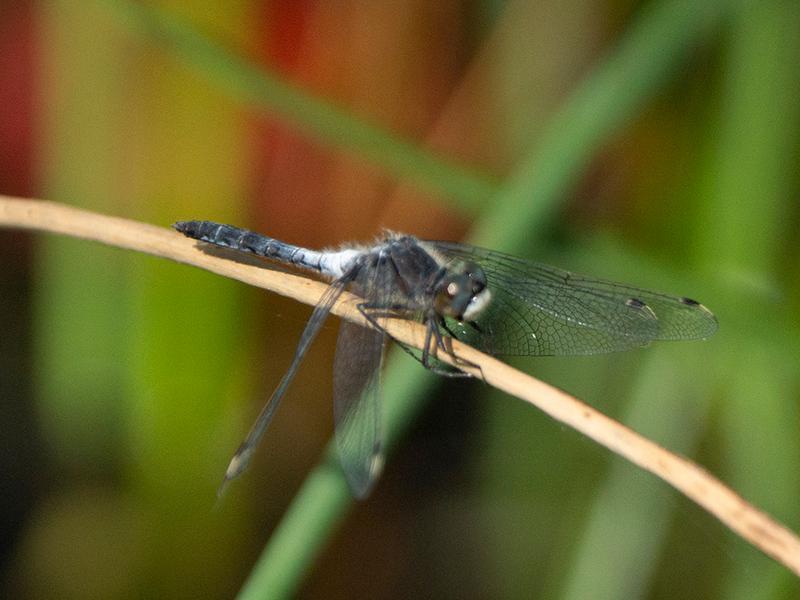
(635, 303)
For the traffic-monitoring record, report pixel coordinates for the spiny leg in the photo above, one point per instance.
(426, 348)
(459, 362)
(372, 318)
(433, 332)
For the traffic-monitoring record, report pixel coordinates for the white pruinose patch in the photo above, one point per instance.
(477, 304)
(335, 264)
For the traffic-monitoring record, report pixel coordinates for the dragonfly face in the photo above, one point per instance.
(462, 293)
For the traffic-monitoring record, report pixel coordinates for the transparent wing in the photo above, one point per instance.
(357, 405)
(356, 384)
(540, 310)
(241, 459)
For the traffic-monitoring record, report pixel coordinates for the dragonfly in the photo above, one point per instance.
(497, 303)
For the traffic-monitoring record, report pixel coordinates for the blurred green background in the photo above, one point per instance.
(652, 142)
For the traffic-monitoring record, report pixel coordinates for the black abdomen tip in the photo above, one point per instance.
(185, 227)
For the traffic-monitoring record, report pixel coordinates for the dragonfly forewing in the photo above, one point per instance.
(541, 310)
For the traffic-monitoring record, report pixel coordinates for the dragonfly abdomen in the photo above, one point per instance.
(243, 240)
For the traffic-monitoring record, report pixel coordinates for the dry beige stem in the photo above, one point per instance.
(698, 485)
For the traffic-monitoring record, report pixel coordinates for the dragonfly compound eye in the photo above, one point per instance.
(452, 296)
(476, 276)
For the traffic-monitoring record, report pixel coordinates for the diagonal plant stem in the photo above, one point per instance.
(644, 60)
(698, 485)
(324, 120)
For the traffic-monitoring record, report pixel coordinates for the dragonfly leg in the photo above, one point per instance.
(426, 348)
(366, 309)
(372, 318)
(433, 332)
(446, 344)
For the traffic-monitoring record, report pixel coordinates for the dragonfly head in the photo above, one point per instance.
(462, 293)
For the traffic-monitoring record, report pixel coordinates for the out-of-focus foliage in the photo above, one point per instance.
(655, 143)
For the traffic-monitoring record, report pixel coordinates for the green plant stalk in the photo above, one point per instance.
(751, 177)
(324, 499)
(79, 310)
(643, 62)
(669, 400)
(465, 186)
(172, 412)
